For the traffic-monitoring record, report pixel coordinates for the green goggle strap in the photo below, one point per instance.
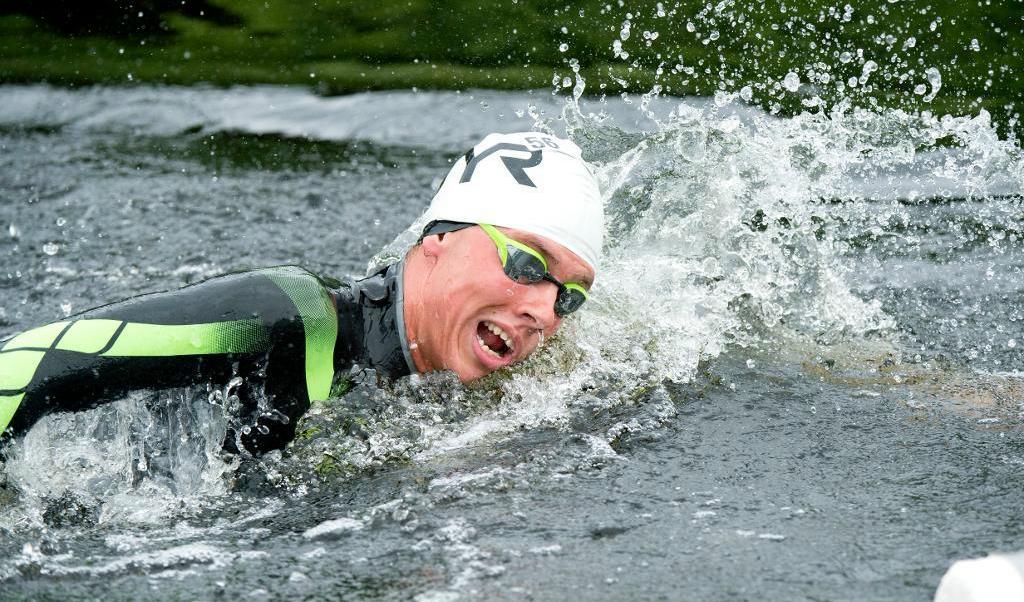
(575, 287)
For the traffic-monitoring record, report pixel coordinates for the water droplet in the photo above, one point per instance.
(51, 248)
(791, 82)
(617, 50)
(563, 47)
(935, 79)
(869, 68)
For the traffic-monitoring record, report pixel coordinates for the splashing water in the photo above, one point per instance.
(132, 461)
(729, 228)
(732, 231)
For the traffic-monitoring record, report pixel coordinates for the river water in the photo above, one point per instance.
(800, 375)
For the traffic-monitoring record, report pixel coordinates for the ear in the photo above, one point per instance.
(434, 245)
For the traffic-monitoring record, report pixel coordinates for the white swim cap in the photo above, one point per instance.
(527, 181)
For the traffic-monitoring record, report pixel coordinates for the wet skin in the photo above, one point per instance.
(455, 287)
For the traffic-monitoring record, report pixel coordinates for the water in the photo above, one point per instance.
(799, 376)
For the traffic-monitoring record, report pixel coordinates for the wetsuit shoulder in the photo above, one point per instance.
(282, 317)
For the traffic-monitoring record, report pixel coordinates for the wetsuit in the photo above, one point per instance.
(284, 331)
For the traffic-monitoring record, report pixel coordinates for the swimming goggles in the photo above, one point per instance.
(522, 264)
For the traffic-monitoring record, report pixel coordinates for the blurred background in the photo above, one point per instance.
(944, 56)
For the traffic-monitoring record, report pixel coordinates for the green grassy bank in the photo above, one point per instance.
(345, 46)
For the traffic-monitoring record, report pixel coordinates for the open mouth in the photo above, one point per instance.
(493, 340)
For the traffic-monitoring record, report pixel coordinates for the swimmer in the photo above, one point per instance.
(512, 240)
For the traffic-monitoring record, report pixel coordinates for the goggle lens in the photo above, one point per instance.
(523, 267)
(568, 301)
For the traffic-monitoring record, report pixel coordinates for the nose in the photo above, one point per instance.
(537, 304)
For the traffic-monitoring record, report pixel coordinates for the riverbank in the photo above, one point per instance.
(946, 58)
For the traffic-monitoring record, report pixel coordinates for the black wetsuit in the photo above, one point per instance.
(284, 331)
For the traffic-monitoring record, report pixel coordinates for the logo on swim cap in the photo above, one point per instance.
(527, 181)
(516, 167)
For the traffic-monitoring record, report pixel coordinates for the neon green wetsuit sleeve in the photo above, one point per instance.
(282, 317)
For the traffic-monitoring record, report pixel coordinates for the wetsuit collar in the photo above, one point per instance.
(400, 317)
(380, 299)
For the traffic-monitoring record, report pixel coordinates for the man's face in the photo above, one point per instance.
(474, 319)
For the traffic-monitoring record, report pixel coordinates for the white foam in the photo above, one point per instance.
(333, 528)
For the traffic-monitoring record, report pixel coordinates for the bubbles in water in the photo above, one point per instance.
(563, 47)
(51, 248)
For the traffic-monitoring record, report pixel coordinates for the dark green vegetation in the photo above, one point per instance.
(342, 46)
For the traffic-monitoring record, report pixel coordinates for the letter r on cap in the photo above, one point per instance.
(516, 167)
